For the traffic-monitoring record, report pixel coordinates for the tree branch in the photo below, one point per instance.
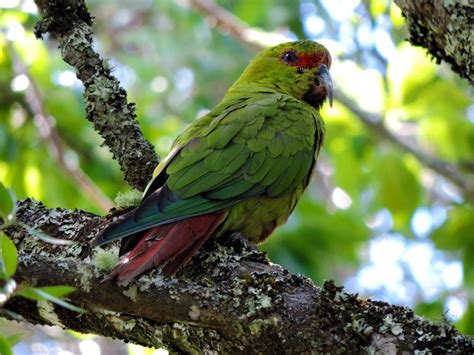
(444, 168)
(229, 299)
(48, 132)
(445, 29)
(230, 24)
(106, 102)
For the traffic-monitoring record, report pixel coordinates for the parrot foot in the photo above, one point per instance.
(240, 243)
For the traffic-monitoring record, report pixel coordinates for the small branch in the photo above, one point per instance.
(48, 132)
(444, 168)
(445, 29)
(106, 102)
(229, 299)
(230, 24)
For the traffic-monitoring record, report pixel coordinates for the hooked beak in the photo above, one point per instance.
(324, 78)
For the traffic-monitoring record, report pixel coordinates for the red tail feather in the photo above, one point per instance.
(171, 245)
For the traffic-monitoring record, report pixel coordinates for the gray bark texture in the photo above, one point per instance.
(106, 101)
(229, 299)
(445, 28)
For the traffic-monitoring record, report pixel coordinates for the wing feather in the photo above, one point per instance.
(263, 145)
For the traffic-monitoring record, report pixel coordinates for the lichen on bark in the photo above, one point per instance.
(106, 102)
(445, 28)
(229, 299)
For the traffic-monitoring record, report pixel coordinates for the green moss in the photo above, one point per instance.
(104, 260)
(128, 199)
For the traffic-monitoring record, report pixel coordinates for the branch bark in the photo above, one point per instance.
(106, 101)
(229, 299)
(445, 29)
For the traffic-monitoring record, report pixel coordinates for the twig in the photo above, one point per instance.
(106, 101)
(238, 29)
(48, 132)
(444, 168)
(230, 24)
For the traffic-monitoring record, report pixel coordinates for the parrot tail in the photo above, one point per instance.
(170, 245)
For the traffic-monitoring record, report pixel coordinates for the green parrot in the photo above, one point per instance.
(240, 168)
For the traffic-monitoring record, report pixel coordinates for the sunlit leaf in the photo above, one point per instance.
(7, 202)
(396, 16)
(409, 71)
(377, 7)
(5, 345)
(8, 257)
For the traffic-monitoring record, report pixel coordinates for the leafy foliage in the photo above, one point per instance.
(8, 257)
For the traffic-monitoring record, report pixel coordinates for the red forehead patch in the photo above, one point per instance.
(305, 60)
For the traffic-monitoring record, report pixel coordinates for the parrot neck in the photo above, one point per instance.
(246, 90)
(281, 84)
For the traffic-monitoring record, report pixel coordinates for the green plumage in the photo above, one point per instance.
(250, 157)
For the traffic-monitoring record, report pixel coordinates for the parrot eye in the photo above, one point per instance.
(289, 56)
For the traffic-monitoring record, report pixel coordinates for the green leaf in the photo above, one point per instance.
(7, 202)
(50, 293)
(5, 346)
(46, 238)
(397, 185)
(8, 257)
(57, 291)
(378, 7)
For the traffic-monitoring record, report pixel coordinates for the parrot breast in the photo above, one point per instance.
(256, 218)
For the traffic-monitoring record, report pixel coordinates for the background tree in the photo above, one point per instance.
(390, 212)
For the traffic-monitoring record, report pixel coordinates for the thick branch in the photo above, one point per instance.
(230, 24)
(229, 299)
(106, 102)
(445, 29)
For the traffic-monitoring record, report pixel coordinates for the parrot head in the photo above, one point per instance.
(299, 69)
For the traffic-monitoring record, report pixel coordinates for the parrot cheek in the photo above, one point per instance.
(316, 95)
(321, 89)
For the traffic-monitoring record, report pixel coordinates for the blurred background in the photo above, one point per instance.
(376, 218)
